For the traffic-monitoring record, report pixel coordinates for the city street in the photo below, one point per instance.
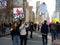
(36, 40)
(30, 15)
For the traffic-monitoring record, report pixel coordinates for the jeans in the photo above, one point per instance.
(53, 34)
(16, 40)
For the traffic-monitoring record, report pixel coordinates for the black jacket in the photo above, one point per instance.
(44, 29)
(15, 32)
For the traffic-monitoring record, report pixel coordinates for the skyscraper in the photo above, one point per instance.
(37, 11)
(37, 5)
(58, 9)
(58, 5)
(18, 3)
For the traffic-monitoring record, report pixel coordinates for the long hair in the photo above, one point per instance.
(13, 25)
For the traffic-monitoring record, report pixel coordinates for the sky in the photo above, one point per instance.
(50, 5)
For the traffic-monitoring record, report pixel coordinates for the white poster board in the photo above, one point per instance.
(18, 13)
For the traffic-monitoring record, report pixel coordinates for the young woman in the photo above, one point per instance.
(15, 33)
(23, 33)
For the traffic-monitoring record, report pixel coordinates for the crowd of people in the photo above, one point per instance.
(19, 31)
(52, 28)
(3, 27)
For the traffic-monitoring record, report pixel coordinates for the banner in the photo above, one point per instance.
(18, 13)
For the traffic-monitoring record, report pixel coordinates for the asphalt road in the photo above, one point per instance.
(36, 40)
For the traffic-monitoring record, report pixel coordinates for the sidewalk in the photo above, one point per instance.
(7, 32)
(37, 40)
(57, 41)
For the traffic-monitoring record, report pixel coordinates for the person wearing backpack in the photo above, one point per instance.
(44, 32)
